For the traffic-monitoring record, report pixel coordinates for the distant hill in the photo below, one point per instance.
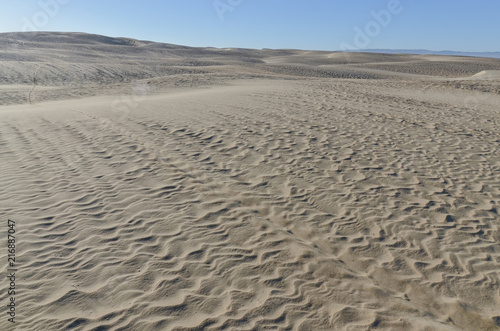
(426, 51)
(71, 59)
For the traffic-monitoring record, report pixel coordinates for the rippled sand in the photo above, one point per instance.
(254, 190)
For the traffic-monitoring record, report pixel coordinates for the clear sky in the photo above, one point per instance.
(459, 25)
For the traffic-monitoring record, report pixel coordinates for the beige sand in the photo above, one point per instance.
(160, 187)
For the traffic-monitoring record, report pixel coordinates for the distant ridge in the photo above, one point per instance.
(426, 51)
(69, 60)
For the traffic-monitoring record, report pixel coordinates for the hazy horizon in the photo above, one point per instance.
(365, 25)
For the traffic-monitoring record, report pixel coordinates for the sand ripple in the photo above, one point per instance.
(321, 205)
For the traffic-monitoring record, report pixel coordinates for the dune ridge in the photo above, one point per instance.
(276, 189)
(68, 65)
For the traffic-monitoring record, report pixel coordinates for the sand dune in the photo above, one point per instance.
(487, 74)
(163, 187)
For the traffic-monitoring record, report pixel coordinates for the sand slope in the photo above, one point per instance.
(252, 197)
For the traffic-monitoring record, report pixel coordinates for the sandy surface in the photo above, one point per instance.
(161, 187)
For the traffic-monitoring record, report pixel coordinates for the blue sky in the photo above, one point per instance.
(460, 25)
